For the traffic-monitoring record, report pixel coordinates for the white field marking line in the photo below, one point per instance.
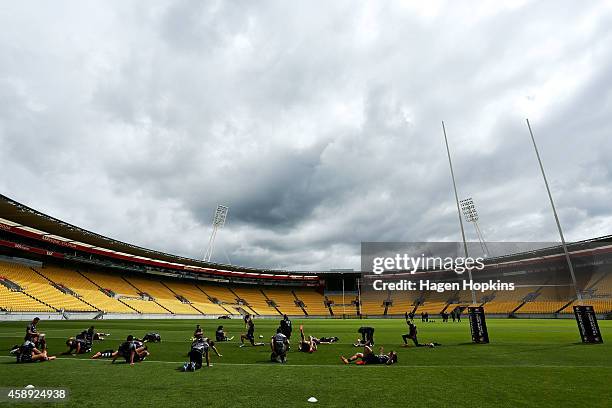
(340, 365)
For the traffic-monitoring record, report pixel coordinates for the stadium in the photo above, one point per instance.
(65, 272)
(69, 277)
(305, 204)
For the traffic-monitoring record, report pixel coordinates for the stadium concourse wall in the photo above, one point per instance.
(27, 316)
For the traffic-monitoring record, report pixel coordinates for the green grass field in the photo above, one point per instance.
(528, 363)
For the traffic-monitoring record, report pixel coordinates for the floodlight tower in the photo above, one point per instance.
(218, 222)
(471, 215)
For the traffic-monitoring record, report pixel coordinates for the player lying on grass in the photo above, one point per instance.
(220, 335)
(77, 346)
(28, 353)
(306, 344)
(279, 344)
(250, 334)
(412, 335)
(200, 350)
(368, 357)
(326, 340)
(152, 337)
(132, 350)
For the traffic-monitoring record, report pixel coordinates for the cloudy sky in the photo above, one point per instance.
(317, 123)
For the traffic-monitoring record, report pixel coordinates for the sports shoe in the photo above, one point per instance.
(241, 346)
(231, 338)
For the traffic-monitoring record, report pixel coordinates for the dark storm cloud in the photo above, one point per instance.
(317, 123)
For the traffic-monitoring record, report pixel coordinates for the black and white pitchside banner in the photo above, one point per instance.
(587, 324)
(478, 325)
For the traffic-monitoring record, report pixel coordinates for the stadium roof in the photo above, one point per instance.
(20, 215)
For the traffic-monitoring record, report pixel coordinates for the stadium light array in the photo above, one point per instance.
(218, 222)
(471, 215)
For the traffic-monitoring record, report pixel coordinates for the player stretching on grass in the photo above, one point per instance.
(306, 345)
(368, 357)
(132, 350)
(279, 344)
(28, 353)
(200, 348)
(77, 346)
(412, 335)
(220, 335)
(250, 334)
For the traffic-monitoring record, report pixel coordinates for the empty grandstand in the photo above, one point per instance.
(50, 266)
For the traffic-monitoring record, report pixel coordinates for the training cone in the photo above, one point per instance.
(313, 399)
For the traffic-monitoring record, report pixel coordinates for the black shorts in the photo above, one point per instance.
(195, 357)
(370, 359)
(304, 347)
(280, 349)
(24, 358)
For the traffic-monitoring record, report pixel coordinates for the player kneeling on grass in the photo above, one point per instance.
(200, 350)
(250, 334)
(77, 346)
(368, 357)
(412, 335)
(28, 353)
(279, 343)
